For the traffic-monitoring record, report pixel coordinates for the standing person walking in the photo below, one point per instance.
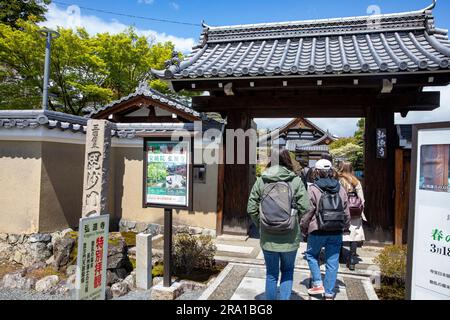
(355, 193)
(275, 203)
(324, 225)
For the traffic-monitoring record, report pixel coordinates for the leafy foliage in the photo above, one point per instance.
(342, 142)
(192, 252)
(13, 10)
(351, 152)
(351, 148)
(86, 71)
(392, 262)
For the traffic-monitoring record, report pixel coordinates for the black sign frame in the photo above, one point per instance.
(190, 174)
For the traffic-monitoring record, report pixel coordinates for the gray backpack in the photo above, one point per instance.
(278, 208)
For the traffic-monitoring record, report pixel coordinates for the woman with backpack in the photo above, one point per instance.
(324, 224)
(355, 192)
(275, 203)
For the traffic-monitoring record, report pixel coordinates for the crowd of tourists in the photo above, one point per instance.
(322, 205)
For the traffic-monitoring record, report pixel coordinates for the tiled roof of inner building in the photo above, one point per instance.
(145, 91)
(401, 42)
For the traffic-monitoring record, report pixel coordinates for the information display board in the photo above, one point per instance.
(167, 174)
(92, 258)
(429, 224)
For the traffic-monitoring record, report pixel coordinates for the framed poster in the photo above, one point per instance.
(429, 219)
(92, 258)
(167, 173)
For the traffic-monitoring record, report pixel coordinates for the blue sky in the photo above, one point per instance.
(75, 13)
(225, 12)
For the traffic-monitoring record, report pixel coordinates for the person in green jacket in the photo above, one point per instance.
(280, 250)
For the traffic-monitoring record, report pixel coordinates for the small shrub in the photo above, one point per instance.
(392, 262)
(192, 252)
(158, 270)
(130, 238)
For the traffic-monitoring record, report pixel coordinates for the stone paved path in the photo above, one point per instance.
(244, 277)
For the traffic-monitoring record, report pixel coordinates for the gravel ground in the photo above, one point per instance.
(15, 294)
(145, 295)
(191, 295)
(229, 285)
(355, 289)
(136, 295)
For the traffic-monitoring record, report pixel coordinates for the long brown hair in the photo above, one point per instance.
(346, 173)
(283, 157)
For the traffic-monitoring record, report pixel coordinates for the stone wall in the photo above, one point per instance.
(26, 250)
(155, 229)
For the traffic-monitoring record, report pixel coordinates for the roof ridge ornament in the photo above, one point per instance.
(143, 87)
(431, 6)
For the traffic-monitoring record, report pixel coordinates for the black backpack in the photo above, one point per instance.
(278, 208)
(330, 213)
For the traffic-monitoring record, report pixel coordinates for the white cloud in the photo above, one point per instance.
(146, 1)
(175, 6)
(73, 18)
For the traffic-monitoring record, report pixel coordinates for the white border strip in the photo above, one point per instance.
(209, 291)
(370, 291)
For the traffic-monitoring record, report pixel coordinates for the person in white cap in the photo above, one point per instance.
(324, 225)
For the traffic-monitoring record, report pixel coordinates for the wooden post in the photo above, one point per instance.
(220, 191)
(379, 174)
(399, 197)
(236, 182)
(167, 247)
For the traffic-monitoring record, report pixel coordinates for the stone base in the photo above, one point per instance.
(159, 292)
(230, 237)
(156, 229)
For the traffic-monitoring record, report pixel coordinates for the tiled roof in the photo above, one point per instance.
(145, 91)
(383, 43)
(33, 119)
(321, 148)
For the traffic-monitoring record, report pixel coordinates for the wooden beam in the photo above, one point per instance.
(410, 80)
(320, 100)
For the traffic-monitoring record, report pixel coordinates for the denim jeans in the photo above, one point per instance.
(276, 262)
(332, 245)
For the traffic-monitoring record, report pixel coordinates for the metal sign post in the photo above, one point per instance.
(168, 247)
(167, 185)
(49, 34)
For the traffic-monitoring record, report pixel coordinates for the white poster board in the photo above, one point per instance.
(429, 259)
(92, 258)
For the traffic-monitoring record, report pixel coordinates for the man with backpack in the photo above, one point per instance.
(276, 202)
(324, 225)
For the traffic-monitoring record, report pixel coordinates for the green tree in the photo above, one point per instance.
(129, 58)
(350, 152)
(78, 73)
(359, 134)
(13, 10)
(342, 142)
(22, 60)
